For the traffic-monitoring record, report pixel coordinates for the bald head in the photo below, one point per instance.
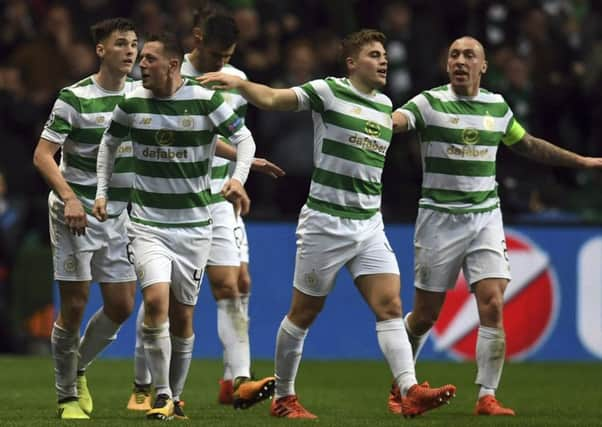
(465, 65)
(467, 40)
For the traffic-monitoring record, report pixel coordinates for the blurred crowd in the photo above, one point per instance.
(545, 57)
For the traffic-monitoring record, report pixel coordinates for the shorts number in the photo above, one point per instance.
(198, 276)
(238, 236)
(130, 253)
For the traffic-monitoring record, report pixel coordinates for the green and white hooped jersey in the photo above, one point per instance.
(352, 132)
(221, 168)
(459, 138)
(173, 142)
(78, 119)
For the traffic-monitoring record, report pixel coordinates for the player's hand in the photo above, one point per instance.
(100, 209)
(267, 167)
(217, 80)
(592, 162)
(235, 193)
(75, 216)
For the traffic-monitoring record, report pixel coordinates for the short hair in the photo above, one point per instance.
(201, 13)
(221, 30)
(353, 43)
(103, 29)
(171, 44)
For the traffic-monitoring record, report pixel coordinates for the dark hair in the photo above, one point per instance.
(103, 29)
(201, 13)
(171, 44)
(219, 29)
(353, 43)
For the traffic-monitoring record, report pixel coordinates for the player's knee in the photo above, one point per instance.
(224, 289)
(180, 323)
(119, 311)
(491, 307)
(304, 317)
(72, 310)
(155, 308)
(424, 319)
(389, 308)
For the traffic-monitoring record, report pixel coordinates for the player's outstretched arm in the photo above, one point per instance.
(227, 151)
(266, 167)
(43, 160)
(543, 151)
(262, 96)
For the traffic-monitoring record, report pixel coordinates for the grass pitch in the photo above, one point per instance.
(341, 393)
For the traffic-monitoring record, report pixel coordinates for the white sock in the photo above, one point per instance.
(157, 348)
(226, 360)
(100, 332)
(181, 354)
(289, 348)
(416, 341)
(244, 302)
(64, 352)
(394, 344)
(233, 331)
(484, 391)
(227, 370)
(142, 375)
(491, 350)
(244, 305)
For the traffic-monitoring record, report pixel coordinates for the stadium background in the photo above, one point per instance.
(544, 56)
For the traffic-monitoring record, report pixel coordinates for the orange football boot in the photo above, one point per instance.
(488, 405)
(422, 398)
(290, 407)
(395, 399)
(226, 390)
(394, 402)
(248, 392)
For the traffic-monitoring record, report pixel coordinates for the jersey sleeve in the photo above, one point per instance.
(514, 130)
(227, 123)
(60, 122)
(415, 112)
(312, 96)
(514, 133)
(119, 128)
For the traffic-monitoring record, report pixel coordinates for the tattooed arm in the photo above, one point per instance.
(545, 152)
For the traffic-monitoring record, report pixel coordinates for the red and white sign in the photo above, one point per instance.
(531, 303)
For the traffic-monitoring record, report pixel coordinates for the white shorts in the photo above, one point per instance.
(326, 243)
(240, 233)
(100, 255)
(171, 255)
(226, 243)
(444, 243)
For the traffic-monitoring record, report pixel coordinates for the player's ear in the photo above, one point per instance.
(100, 50)
(350, 63)
(174, 65)
(197, 34)
(484, 67)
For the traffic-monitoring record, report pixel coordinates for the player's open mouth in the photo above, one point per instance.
(382, 73)
(128, 61)
(460, 73)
